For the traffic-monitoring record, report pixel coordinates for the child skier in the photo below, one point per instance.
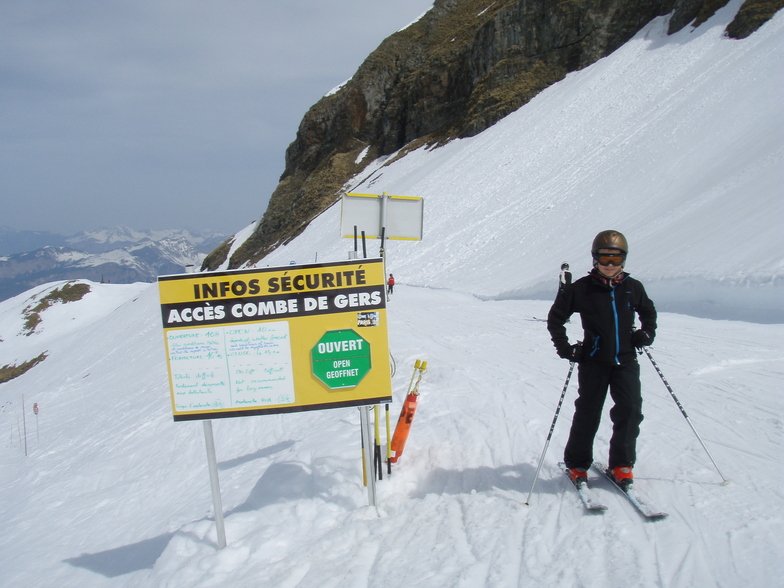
(608, 300)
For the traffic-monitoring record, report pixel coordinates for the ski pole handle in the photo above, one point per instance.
(417, 365)
(422, 370)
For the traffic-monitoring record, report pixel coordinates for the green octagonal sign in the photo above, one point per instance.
(340, 358)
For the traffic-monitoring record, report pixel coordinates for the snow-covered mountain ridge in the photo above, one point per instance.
(99, 240)
(118, 255)
(102, 240)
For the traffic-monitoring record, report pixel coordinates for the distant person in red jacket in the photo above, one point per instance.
(390, 284)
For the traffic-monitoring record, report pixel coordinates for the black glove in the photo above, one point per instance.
(571, 352)
(641, 338)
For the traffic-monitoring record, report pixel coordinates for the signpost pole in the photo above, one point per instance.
(382, 252)
(35, 411)
(212, 464)
(364, 418)
(383, 220)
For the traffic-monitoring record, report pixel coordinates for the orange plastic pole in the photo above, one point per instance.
(403, 426)
(407, 413)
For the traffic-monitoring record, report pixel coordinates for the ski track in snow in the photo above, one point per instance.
(116, 494)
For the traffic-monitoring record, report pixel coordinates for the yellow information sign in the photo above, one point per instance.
(276, 340)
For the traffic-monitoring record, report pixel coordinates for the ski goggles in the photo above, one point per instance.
(609, 258)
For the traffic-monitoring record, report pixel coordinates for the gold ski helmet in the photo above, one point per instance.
(610, 240)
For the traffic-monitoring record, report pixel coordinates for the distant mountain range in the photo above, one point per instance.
(117, 255)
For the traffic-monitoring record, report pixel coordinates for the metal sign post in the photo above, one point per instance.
(212, 464)
(379, 216)
(364, 419)
(274, 341)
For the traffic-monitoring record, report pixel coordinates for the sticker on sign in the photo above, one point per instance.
(341, 358)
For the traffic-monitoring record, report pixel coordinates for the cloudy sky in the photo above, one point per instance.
(166, 113)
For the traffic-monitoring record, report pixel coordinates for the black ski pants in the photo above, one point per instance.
(623, 382)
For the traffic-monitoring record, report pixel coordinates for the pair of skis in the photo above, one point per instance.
(630, 492)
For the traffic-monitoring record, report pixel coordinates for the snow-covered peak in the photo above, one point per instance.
(120, 236)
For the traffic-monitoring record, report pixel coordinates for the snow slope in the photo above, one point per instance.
(114, 493)
(678, 142)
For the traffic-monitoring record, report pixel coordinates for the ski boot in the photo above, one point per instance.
(623, 476)
(578, 476)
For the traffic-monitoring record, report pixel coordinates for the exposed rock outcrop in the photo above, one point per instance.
(751, 16)
(465, 65)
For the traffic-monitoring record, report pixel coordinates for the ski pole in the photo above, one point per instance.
(422, 370)
(389, 442)
(417, 365)
(683, 412)
(377, 445)
(552, 428)
(362, 436)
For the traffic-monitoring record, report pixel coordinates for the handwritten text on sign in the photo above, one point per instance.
(219, 367)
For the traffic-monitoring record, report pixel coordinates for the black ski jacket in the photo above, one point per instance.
(607, 311)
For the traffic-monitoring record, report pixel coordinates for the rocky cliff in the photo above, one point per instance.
(462, 67)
